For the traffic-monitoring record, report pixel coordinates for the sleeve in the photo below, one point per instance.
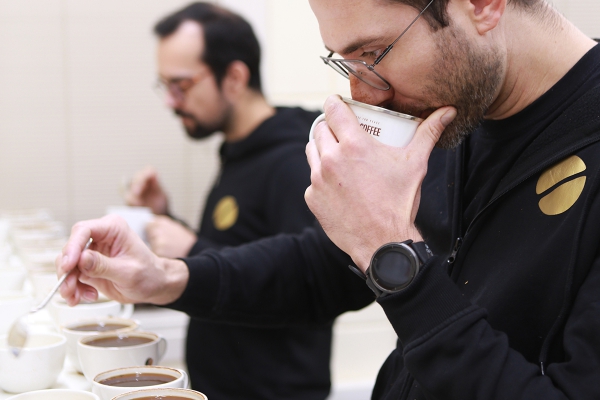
(453, 353)
(277, 281)
(288, 212)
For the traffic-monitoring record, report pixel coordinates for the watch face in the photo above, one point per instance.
(393, 269)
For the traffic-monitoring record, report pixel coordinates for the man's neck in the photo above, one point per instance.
(251, 111)
(541, 50)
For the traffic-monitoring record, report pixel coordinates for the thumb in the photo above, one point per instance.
(97, 265)
(431, 129)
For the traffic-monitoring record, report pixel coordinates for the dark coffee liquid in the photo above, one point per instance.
(98, 327)
(119, 341)
(137, 380)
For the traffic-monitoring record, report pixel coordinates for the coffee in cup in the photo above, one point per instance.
(107, 351)
(117, 381)
(162, 394)
(387, 126)
(87, 327)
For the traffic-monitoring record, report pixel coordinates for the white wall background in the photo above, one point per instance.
(78, 115)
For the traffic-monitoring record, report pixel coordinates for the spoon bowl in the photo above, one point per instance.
(18, 333)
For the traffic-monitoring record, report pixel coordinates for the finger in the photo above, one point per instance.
(80, 235)
(97, 265)
(429, 131)
(340, 118)
(324, 138)
(312, 155)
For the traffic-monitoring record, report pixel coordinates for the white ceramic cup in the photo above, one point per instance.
(161, 394)
(107, 392)
(38, 365)
(95, 359)
(73, 333)
(63, 314)
(13, 304)
(389, 127)
(56, 394)
(136, 217)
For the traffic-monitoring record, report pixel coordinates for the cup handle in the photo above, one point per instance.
(126, 311)
(185, 378)
(162, 348)
(314, 124)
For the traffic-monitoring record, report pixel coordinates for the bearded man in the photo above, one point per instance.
(483, 252)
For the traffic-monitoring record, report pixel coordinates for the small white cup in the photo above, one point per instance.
(13, 304)
(38, 365)
(107, 392)
(64, 314)
(389, 127)
(136, 217)
(73, 334)
(162, 393)
(56, 394)
(95, 359)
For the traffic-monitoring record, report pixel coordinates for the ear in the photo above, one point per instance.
(486, 14)
(235, 81)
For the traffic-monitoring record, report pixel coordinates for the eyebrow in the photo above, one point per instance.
(357, 44)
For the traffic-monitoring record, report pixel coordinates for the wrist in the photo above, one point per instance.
(363, 260)
(176, 276)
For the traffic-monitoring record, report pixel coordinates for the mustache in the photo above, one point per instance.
(181, 113)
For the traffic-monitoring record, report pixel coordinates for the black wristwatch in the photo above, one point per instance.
(394, 266)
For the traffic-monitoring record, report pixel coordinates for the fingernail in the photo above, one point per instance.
(65, 260)
(89, 295)
(448, 117)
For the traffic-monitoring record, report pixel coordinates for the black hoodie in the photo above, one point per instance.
(259, 193)
(516, 315)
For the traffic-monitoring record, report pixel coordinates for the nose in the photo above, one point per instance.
(171, 100)
(368, 94)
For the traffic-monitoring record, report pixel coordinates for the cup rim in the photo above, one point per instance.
(152, 392)
(381, 109)
(18, 396)
(132, 324)
(138, 367)
(61, 342)
(83, 341)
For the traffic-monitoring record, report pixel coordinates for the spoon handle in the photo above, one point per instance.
(57, 286)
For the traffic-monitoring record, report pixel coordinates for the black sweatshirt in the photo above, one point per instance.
(515, 316)
(259, 193)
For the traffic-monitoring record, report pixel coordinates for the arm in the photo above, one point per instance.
(244, 284)
(453, 353)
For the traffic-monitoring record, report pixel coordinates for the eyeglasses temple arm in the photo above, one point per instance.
(387, 49)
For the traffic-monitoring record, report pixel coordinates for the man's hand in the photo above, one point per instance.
(365, 193)
(169, 238)
(118, 264)
(145, 191)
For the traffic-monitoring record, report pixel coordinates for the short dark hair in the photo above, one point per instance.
(227, 36)
(437, 14)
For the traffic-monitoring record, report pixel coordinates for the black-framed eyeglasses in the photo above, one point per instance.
(361, 69)
(177, 87)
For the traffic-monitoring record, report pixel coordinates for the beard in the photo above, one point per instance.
(464, 77)
(201, 130)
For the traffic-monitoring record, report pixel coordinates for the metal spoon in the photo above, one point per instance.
(18, 333)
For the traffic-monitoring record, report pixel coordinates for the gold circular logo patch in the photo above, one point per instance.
(225, 213)
(563, 196)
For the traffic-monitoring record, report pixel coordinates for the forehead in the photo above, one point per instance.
(179, 53)
(344, 23)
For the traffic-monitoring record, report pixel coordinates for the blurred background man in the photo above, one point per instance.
(208, 64)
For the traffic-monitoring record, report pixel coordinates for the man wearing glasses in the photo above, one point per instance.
(483, 252)
(208, 63)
